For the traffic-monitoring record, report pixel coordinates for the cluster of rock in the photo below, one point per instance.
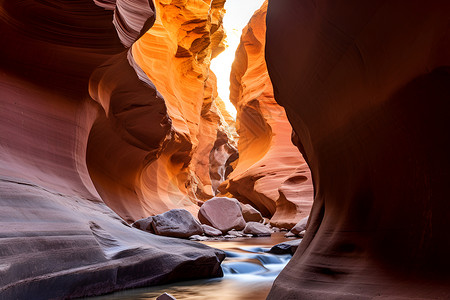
(218, 217)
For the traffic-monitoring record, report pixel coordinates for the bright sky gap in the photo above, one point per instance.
(236, 18)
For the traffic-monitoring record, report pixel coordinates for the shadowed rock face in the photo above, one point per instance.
(366, 88)
(270, 173)
(58, 238)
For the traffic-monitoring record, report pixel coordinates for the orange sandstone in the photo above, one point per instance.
(270, 174)
(173, 57)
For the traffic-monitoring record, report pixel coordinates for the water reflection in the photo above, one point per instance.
(248, 274)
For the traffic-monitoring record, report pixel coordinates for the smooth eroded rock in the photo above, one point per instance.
(365, 85)
(270, 174)
(300, 226)
(222, 213)
(144, 224)
(176, 223)
(251, 214)
(211, 231)
(288, 247)
(257, 229)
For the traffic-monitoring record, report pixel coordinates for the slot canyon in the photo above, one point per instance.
(119, 159)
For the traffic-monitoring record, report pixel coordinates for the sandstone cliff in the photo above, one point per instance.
(366, 87)
(81, 126)
(173, 57)
(270, 174)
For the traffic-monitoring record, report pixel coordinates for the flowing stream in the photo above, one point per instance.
(249, 272)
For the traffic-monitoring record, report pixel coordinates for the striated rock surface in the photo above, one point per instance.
(170, 144)
(366, 87)
(270, 174)
(64, 156)
(175, 55)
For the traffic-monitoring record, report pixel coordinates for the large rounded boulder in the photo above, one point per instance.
(176, 223)
(222, 213)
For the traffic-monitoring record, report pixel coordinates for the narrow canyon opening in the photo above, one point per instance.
(200, 150)
(122, 168)
(205, 154)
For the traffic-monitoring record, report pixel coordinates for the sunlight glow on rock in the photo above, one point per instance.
(236, 18)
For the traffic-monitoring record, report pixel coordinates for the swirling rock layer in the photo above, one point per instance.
(154, 153)
(366, 86)
(270, 174)
(57, 237)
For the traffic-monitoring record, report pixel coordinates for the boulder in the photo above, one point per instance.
(144, 224)
(211, 231)
(222, 213)
(257, 229)
(300, 226)
(251, 214)
(288, 247)
(176, 223)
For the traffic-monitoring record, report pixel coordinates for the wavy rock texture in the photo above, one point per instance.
(58, 238)
(366, 87)
(270, 174)
(173, 170)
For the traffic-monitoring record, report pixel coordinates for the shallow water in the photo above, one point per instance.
(248, 274)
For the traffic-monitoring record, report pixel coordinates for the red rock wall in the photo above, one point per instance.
(270, 173)
(366, 87)
(77, 115)
(174, 171)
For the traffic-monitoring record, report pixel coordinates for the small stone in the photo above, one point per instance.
(166, 296)
(197, 237)
(257, 229)
(289, 235)
(300, 226)
(288, 247)
(235, 233)
(229, 236)
(211, 231)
